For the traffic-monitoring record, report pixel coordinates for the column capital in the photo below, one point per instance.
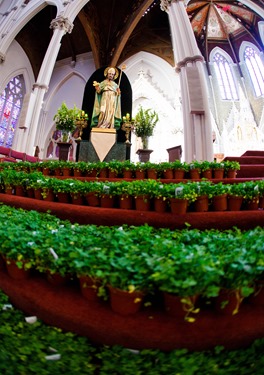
(2, 58)
(62, 23)
(41, 86)
(187, 60)
(164, 4)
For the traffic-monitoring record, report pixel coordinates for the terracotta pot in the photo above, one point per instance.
(57, 172)
(126, 202)
(261, 202)
(63, 197)
(103, 173)
(168, 174)
(160, 205)
(66, 172)
(20, 191)
(92, 199)
(201, 204)
(179, 174)
(178, 206)
(77, 173)
(77, 199)
(231, 173)
(175, 306)
(152, 174)
(228, 302)
(252, 205)
(208, 173)
(142, 203)
(9, 190)
(218, 173)
(91, 173)
(89, 288)
(107, 201)
(219, 202)
(30, 193)
(140, 175)
(56, 279)
(195, 174)
(127, 174)
(234, 203)
(49, 196)
(112, 174)
(15, 272)
(124, 302)
(46, 171)
(37, 194)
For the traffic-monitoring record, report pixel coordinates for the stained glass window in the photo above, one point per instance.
(256, 69)
(225, 77)
(11, 101)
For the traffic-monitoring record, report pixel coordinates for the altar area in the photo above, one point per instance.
(102, 146)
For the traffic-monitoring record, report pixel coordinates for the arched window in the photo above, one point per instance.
(10, 106)
(255, 69)
(225, 77)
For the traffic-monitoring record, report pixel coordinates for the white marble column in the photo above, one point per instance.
(60, 25)
(198, 144)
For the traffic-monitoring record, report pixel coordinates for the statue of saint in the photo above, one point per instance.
(107, 103)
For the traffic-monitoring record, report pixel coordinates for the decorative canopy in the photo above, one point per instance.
(223, 23)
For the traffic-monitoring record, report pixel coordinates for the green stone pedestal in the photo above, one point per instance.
(88, 153)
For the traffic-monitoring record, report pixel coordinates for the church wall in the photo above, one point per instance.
(67, 84)
(257, 104)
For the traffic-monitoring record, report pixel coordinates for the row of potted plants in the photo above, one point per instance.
(42, 349)
(128, 169)
(136, 194)
(184, 263)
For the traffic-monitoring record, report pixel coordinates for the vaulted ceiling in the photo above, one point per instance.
(114, 30)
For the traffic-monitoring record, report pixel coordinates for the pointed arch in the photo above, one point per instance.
(11, 101)
(223, 66)
(250, 56)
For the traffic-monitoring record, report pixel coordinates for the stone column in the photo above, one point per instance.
(60, 25)
(198, 144)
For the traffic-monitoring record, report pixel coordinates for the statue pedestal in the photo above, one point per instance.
(102, 147)
(102, 140)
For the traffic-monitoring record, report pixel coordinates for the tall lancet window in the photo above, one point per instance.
(256, 69)
(11, 101)
(225, 77)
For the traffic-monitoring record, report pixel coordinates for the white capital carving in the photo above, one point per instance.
(164, 5)
(62, 23)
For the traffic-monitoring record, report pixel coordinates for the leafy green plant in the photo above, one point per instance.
(65, 118)
(144, 124)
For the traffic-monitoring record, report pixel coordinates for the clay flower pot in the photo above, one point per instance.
(178, 206)
(124, 302)
(234, 203)
(201, 204)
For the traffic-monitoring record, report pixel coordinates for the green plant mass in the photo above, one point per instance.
(145, 122)
(65, 118)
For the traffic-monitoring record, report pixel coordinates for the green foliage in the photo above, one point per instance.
(145, 122)
(24, 348)
(65, 118)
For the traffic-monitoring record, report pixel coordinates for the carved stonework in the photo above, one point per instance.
(2, 58)
(62, 23)
(164, 5)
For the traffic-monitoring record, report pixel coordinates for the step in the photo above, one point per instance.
(250, 171)
(246, 159)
